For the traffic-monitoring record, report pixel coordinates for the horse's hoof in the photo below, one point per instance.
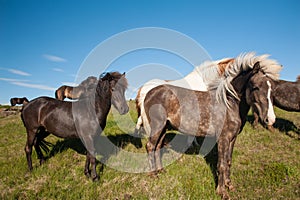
(153, 174)
(231, 187)
(42, 161)
(87, 174)
(225, 196)
(162, 170)
(271, 128)
(222, 192)
(95, 179)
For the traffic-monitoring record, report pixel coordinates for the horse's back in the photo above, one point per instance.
(32, 112)
(287, 95)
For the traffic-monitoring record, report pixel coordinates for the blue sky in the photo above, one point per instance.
(43, 43)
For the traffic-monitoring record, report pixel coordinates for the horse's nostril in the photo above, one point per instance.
(266, 120)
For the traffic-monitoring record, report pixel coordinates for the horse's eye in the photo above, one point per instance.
(254, 88)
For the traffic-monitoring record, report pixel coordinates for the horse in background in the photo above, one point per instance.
(84, 119)
(14, 101)
(77, 92)
(285, 95)
(201, 113)
(196, 80)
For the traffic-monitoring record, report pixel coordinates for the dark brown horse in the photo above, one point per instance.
(285, 95)
(74, 93)
(84, 119)
(221, 112)
(16, 100)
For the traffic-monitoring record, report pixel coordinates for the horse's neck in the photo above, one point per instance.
(103, 98)
(239, 83)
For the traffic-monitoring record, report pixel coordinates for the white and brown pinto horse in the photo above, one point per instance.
(196, 80)
(219, 112)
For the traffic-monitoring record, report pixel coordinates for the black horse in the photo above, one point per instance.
(84, 119)
(285, 95)
(221, 112)
(14, 101)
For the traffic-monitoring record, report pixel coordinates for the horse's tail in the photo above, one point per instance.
(137, 103)
(45, 145)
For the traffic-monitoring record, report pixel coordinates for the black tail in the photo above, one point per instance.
(45, 145)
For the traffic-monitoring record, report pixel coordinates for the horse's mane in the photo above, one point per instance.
(115, 76)
(211, 70)
(89, 80)
(243, 62)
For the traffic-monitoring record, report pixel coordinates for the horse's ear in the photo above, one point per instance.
(123, 74)
(256, 67)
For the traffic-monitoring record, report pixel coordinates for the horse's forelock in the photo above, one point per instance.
(118, 77)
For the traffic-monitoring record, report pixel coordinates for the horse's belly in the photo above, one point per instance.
(201, 120)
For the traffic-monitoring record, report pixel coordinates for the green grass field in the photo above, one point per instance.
(265, 165)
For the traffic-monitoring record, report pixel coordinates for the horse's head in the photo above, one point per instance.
(118, 85)
(259, 95)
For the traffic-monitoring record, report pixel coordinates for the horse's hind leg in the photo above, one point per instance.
(158, 156)
(28, 147)
(157, 127)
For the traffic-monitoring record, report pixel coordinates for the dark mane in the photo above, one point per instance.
(115, 76)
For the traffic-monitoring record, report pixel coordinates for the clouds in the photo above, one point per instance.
(36, 86)
(57, 70)
(19, 72)
(53, 58)
(22, 82)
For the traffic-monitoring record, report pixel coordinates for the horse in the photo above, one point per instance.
(84, 119)
(224, 104)
(14, 101)
(196, 80)
(74, 93)
(285, 95)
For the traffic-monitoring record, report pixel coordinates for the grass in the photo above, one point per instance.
(265, 165)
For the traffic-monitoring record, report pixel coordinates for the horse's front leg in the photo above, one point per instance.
(223, 150)
(229, 162)
(90, 158)
(87, 166)
(256, 119)
(94, 175)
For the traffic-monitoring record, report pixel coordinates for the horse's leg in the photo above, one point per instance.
(91, 159)
(28, 147)
(158, 156)
(223, 150)
(150, 147)
(87, 166)
(256, 118)
(229, 162)
(139, 123)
